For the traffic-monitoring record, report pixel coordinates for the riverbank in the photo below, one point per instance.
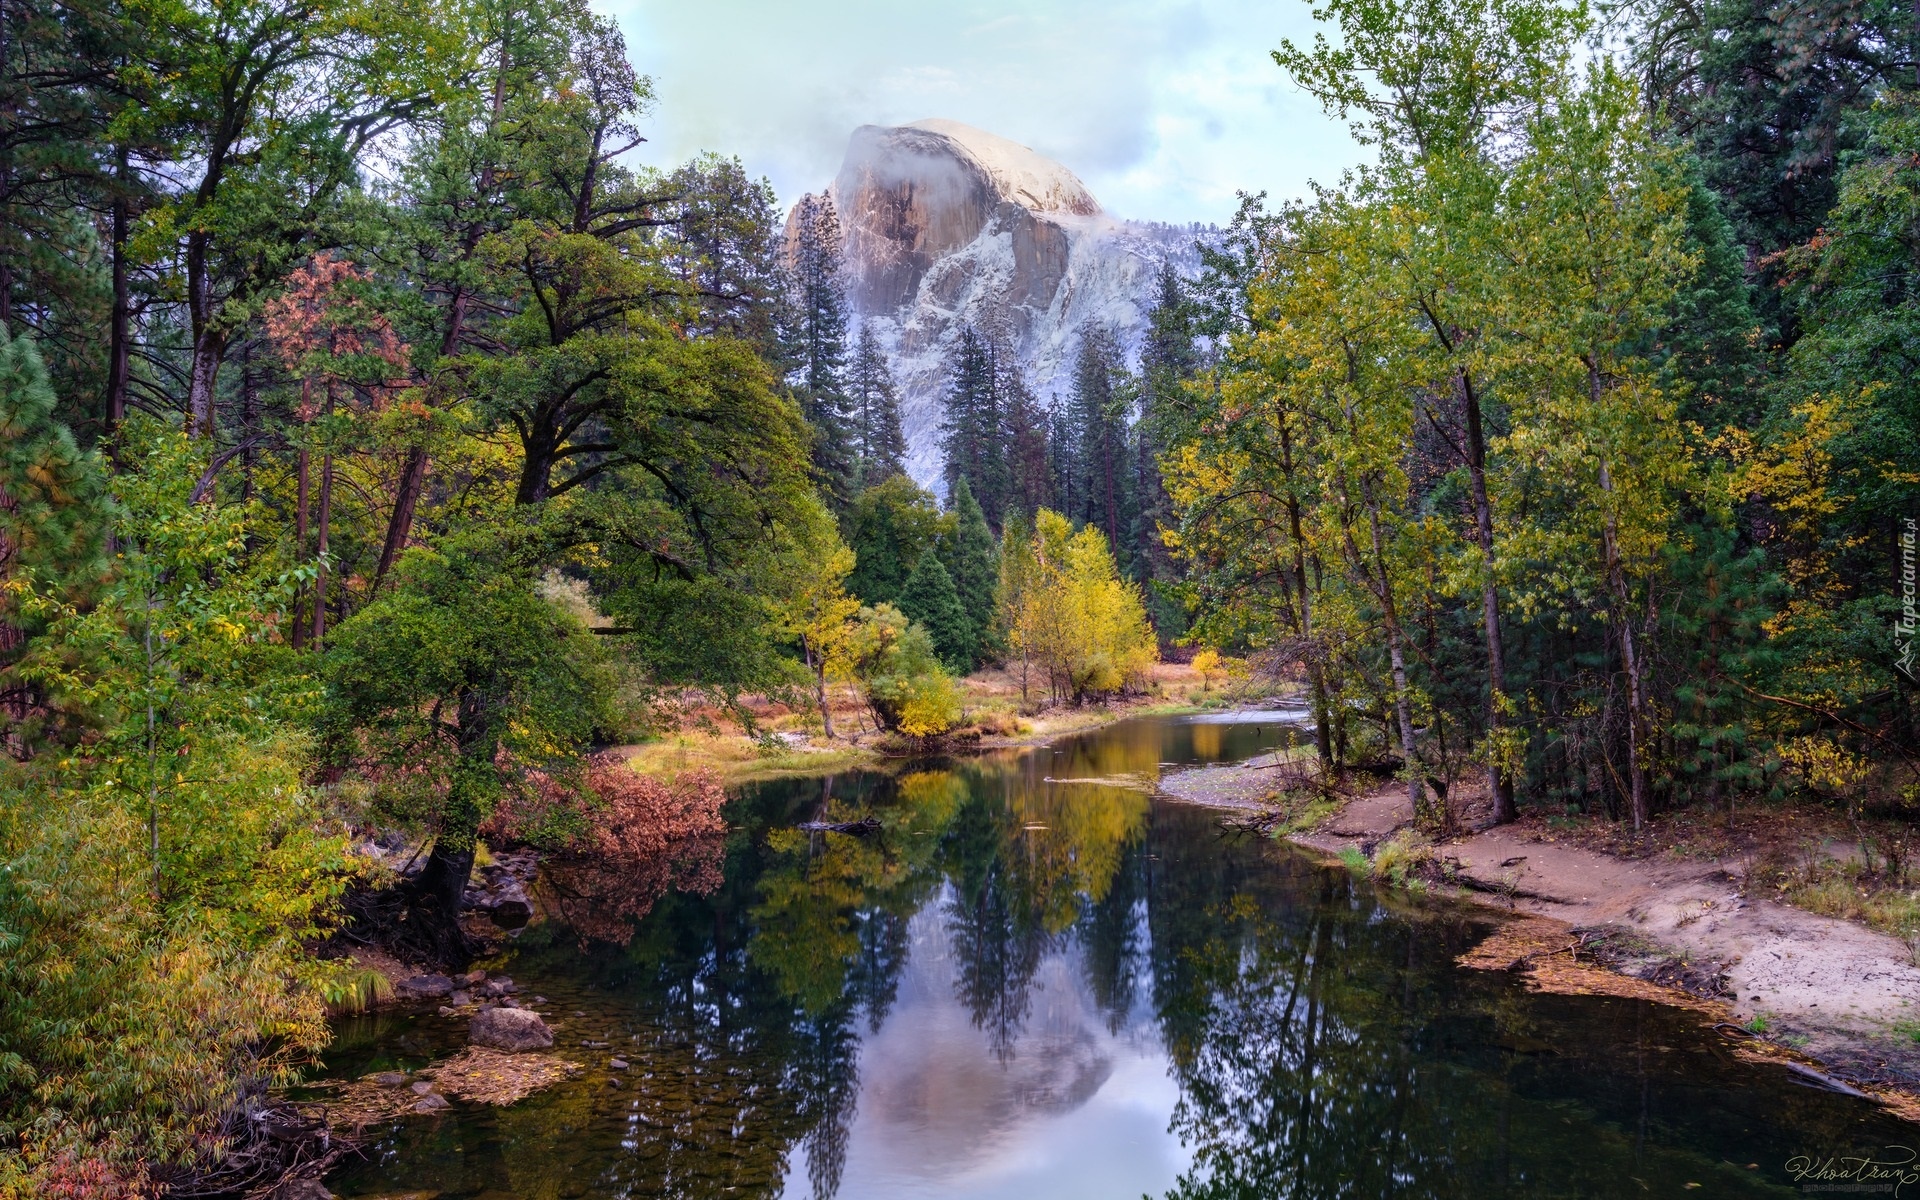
(1671, 919)
(999, 714)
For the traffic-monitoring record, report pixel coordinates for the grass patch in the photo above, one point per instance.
(738, 759)
(1847, 888)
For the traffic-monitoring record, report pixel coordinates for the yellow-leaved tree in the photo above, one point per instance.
(1067, 612)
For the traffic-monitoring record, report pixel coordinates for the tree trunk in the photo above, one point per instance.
(438, 893)
(301, 472)
(413, 480)
(209, 343)
(119, 352)
(1629, 660)
(1397, 659)
(1499, 784)
(819, 668)
(1316, 670)
(320, 551)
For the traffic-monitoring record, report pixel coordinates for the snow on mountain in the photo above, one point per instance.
(948, 226)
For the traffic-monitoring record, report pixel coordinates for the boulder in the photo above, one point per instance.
(510, 1029)
(301, 1189)
(498, 987)
(425, 987)
(474, 978)
(459, 998)
(431, 1102)
(390, 1078)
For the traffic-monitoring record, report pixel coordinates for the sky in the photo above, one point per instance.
(1165, 110)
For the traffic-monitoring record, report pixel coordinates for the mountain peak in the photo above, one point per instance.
(1020, 174)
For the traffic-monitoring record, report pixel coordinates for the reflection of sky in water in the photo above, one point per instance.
(1074, 1110)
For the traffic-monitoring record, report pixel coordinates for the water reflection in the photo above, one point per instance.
(1026, 987)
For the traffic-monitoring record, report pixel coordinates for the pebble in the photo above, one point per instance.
(618, 1064)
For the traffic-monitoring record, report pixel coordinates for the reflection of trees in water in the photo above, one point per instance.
(996, 955)
(1290, 1028)
(1113, 935)
(1324, 1047)
(807, 939)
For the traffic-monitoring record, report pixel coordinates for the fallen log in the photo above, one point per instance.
(864, 827)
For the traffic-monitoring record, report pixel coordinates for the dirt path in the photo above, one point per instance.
(1833, 989)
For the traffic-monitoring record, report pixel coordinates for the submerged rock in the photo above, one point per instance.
(425, 987)
(512, 1029)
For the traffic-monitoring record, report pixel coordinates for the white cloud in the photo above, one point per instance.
(1165, 109)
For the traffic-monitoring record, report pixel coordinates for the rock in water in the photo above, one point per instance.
(514, 1029)
(425, 987)
(431, 1102)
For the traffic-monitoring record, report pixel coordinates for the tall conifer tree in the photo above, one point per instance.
(975, 442)
(972, 559)
(820, 305)
(1097, 412)
(930, 599)
(880, 443)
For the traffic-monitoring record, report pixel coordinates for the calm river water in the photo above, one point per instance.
(1039, 983)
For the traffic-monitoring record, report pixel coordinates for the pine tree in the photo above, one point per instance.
(1097, 410)
(880, 444)
(1167, 361)
(930, 599)
(49, 502)
(1063, 457)
(820, 311)
(972, 560)
(1029, 465)
(975, 441)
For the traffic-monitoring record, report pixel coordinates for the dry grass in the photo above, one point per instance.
(736, 758)
(477, 1074)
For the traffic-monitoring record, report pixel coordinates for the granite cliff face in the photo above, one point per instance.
(948, 226)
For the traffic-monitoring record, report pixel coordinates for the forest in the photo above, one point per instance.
(382, 445)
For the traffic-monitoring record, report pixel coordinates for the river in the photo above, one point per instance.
(1038, 982)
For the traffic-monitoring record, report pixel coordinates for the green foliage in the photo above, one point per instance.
(895, 664)
(157, 889)
(52, 512)
(929, 600)
(460, 682)
(891, 525)
(972, 559)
